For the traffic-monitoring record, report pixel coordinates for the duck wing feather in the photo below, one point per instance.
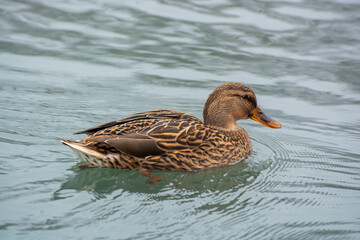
(157, 139)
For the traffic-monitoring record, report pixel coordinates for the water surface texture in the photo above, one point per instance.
(69, 65)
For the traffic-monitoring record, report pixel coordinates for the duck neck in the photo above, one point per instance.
(220, 119)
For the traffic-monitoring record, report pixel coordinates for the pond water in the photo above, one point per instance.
(68, 65)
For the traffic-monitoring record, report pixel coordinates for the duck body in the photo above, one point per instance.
(161, 140)
(174, 140)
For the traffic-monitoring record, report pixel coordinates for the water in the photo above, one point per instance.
(70, 65)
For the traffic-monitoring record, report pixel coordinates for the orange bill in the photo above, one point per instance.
(260, 117)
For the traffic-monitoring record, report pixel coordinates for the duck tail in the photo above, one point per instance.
(85, 153)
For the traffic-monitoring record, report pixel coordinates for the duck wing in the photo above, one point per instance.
(143, 116)
(160, 138)
(134, 144)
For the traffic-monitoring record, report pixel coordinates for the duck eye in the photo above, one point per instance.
(248, 98)
(242, 96)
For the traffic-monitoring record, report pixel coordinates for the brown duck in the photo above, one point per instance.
(174, 140)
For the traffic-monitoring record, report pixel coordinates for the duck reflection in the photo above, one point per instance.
(104, 181)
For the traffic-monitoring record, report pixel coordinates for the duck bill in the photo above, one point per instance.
(260, 117)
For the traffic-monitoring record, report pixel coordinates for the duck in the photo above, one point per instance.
(173, 140)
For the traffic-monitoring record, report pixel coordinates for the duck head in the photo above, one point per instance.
(233, 101)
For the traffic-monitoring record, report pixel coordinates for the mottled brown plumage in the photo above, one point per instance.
(174, 140)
